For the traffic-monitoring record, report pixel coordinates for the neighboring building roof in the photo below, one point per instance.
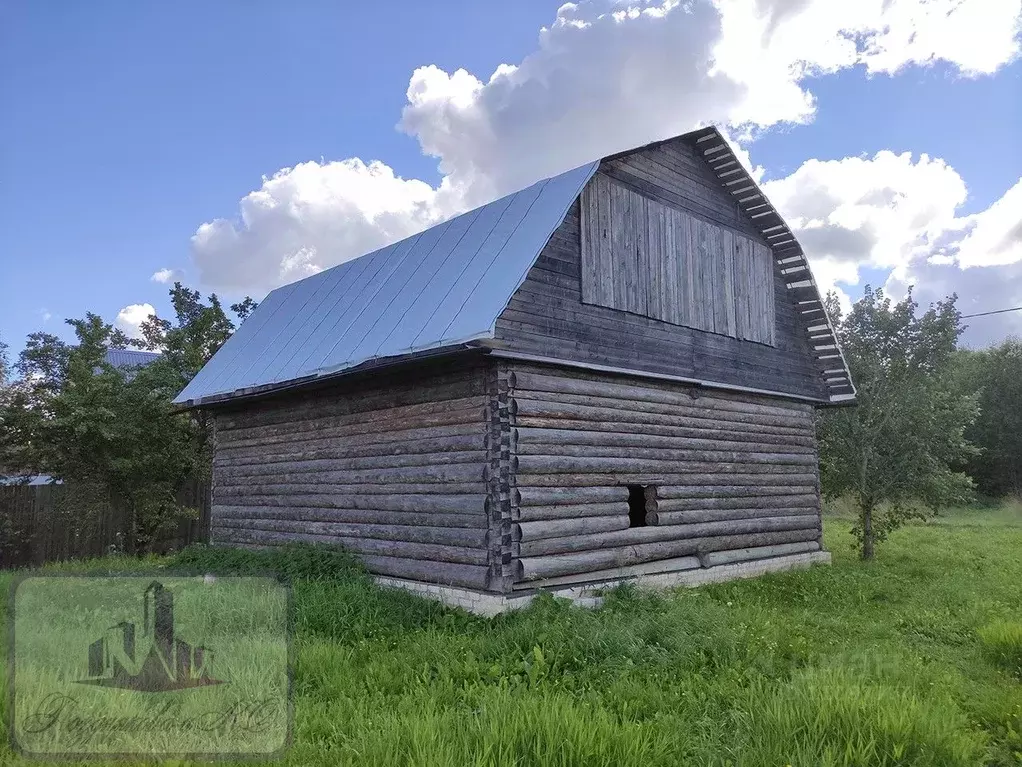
(130, 358)
(447, 286)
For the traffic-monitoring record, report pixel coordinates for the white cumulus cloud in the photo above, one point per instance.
(132, 316)
(606, 76)
(165, 276)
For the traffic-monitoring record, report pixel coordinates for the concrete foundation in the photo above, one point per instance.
(589, 594)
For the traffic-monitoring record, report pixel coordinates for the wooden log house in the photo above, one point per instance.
(609, 375)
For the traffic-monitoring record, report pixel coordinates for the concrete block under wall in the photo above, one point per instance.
(589, 594)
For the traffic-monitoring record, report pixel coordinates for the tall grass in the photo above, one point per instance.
(896, 662)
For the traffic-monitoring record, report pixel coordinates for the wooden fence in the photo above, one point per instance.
(35, 527)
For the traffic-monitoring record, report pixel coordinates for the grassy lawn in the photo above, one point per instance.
(913, 659)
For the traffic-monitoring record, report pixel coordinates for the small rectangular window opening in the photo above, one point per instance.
(636, 506)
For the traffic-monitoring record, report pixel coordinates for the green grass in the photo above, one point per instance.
(909, 660)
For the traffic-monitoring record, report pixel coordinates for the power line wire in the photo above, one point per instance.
(998, 311)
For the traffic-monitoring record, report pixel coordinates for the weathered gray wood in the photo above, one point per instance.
(727, 490)
(715, 558)
(393, 548)
(343, 449)
(244, 487)
(434, 413)
(528, 440)
(535, 568)
(804, 500)
(661, 478)
(531, 531)
(693, 516)
(668, 532)
(308, 521)
(569, 496)
(255, 469)
(616, 573)
(755, 540)
(547, 317)
(748, 463)
(410, 474)
(226, 509)
(735, 453)
(570, 511)
(653, 392)
(472, 505)
(677, 416)
(363, 435)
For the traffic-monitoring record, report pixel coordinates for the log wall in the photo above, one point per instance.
(722, 477)
(393, 468)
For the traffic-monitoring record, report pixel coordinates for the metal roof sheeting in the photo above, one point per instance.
(439, 288)
(130, 358)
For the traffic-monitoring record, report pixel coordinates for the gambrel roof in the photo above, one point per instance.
(445, 287)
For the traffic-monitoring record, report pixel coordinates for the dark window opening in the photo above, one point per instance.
(636, 506)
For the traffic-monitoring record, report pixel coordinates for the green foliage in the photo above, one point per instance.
(898, 446)
(855, 664)
(112, 434)
(995, 376)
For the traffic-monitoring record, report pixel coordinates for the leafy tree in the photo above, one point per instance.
(112, 434)
(995, 375)
(896, 449)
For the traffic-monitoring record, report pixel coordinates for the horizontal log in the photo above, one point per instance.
(569, 495)
(535, 568)
(755, 540)
(715, 558)
(365, 436)
(381, 394)
(695, 516)
(326, 415)
(528, 440)
(666, 492)
(460, 472)
(665, 478)
(352, 516)
(418, 502)
(446, 536)
(258, 469)
(530, 531)
(670, 394)
(696, 410)
(289, 452)
(676, 416)
(244, 487)
(404, 549)
(802, 500)
(618, 573)
(768, 454)
(572, 511)
(556, 464)
(637, 535)
(445, 573)
(684, 427)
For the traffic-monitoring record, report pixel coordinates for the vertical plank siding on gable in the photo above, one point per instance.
(628, 264)
(393, 470)
(547, 317)
(722, 472)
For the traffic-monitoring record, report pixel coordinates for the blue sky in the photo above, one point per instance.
(128, 126)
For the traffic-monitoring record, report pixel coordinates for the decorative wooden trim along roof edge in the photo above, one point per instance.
(788, 254)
